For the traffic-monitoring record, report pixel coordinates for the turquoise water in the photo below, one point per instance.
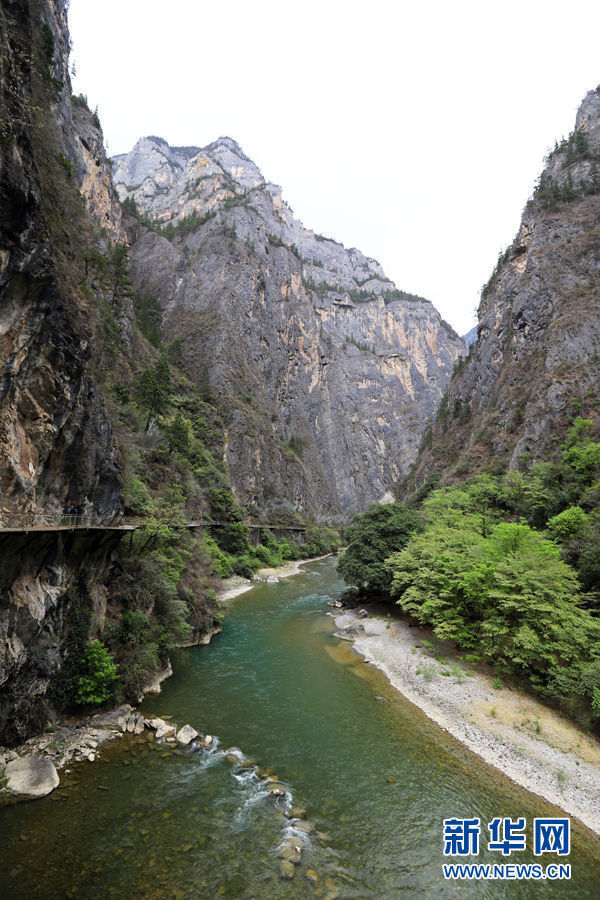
(377, 779)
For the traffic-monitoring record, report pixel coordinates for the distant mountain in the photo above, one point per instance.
(470, 337)
(326, 373)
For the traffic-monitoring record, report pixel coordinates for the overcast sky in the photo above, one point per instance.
(411, 130)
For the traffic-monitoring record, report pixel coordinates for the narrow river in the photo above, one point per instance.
(376, 779)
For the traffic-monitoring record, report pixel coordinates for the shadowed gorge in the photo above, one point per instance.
(198, 394)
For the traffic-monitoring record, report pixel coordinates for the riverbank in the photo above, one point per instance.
(533, 745)
(233, 587)
(79, 738)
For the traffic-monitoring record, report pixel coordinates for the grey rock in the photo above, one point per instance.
(162, 729)
(186, 735)
(291, 850)
(116, 718)
(31, 776)
(275, 792)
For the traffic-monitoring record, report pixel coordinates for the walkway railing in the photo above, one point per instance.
(82, 521)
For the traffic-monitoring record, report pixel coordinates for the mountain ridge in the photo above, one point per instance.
(340, 362)
(533, 366)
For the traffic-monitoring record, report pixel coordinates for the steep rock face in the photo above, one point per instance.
(55, 436)
(325, 372)
(49, 584)
(535, 361)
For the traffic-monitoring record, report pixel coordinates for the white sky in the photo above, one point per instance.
(411, 130)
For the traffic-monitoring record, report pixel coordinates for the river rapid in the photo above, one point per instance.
(375, 777)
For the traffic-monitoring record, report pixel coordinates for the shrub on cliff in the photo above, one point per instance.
(97, 676)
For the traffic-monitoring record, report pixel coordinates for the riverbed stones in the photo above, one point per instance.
(286, 869)
(272, 579)
(298, 812)
(304, 826)
(186, 735)
(275, 791)
(206, 741)
(31, 776)
(290, 850)
(161, 728)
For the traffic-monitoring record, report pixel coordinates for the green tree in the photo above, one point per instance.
(371, 538)
(149, 316)
(178, 434)
(121, 285)
(508, 595)
(569, 523)
(153, 388)
(98, 672)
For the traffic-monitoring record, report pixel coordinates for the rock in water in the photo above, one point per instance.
(275, 792)
(31, 776)
(290, 850)
(186, 735)
(161, 728)
(286, 869)
(304, 827)
(272, 579)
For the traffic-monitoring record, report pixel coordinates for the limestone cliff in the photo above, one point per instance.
(535, 362)
(56, 438)
(325, 373)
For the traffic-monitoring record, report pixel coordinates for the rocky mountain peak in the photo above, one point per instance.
(588, 116)
(327, 371)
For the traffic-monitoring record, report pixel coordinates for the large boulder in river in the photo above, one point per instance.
(186, 735)
(116, 719)
(31, 776)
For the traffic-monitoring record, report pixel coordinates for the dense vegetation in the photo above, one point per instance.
(170, 436)
(506, 566)
(171, 440)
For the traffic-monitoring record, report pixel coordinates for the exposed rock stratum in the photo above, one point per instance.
(325, 372)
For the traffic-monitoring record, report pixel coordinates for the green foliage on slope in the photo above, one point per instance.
(507, 566)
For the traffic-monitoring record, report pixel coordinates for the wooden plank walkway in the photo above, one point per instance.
(27, 523)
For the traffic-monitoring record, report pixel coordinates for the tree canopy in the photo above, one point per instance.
(371, 538)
